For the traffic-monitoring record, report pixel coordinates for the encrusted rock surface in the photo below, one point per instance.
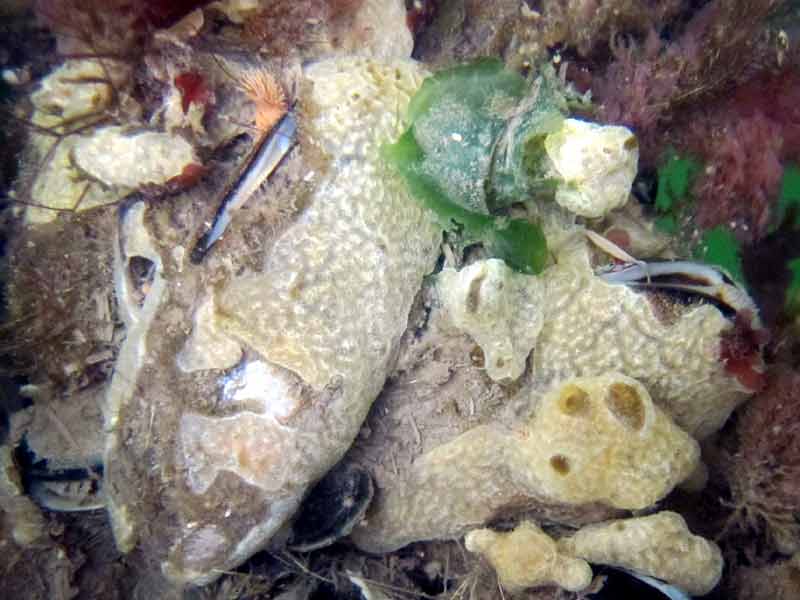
(229, 457)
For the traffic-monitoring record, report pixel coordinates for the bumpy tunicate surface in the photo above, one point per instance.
(596, 165)
(592, 327)
(501, 310)
(335, 290)
(528, 557)
(116, 157)
(658, 545)
(593, 439)
(76, 89)
(227, 456)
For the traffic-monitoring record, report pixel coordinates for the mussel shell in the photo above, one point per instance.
(332, 508)
(70, 489)
(623, 585)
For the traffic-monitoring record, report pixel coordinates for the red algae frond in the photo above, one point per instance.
(267, 94)
(765, 478)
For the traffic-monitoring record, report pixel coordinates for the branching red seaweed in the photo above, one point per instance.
(765, 478)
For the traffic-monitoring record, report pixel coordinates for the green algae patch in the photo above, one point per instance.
(788, 209)
(474, 147)
(674, 179)
(721, 248)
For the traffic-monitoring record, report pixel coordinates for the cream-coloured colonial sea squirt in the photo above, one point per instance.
(229, 402)
(592, 440)
(243, 381)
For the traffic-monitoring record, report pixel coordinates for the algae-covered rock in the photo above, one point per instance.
(528, 557)
(658, 545)
(474, 147)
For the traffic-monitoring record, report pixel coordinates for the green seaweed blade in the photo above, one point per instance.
(473, 148)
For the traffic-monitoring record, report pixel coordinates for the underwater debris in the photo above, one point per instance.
(527, 557)
(659, 545)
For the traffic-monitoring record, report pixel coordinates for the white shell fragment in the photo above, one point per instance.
(596, 166)
(130, 160)
(501, 310)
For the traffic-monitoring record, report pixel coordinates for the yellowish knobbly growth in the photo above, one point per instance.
(503, 311)
(528, 557)
(594, 165)
(603, 439)
(589, 440)
(658, 545)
